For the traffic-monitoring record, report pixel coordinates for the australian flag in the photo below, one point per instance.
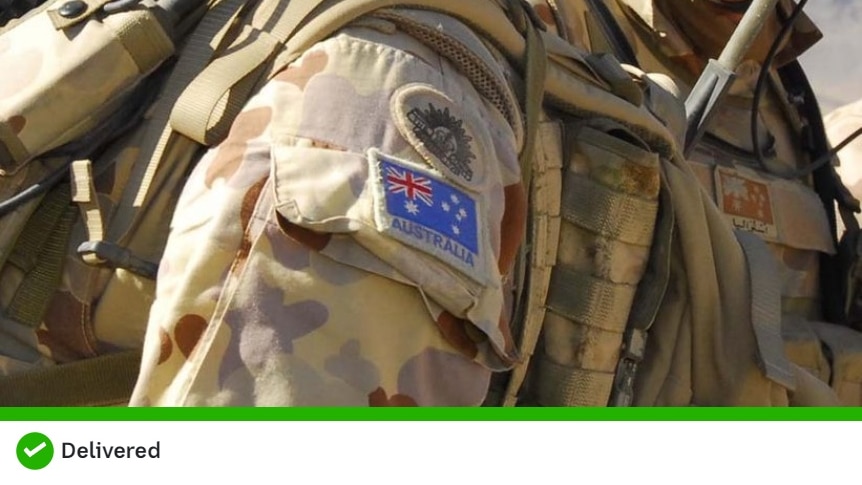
(432, 211)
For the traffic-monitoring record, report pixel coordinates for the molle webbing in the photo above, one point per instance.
(106, 380)
(609, 206)
(39, 254)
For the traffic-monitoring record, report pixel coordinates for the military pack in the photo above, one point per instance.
(617, 231)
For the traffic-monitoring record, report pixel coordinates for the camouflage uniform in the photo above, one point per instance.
(346, 244)
(786, 213)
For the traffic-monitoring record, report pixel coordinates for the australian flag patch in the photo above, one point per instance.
(420, 208)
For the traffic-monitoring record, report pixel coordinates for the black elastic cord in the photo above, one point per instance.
(758, 95)
(761, 82)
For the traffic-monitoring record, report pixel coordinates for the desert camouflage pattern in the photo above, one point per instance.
(314, 260)
(92, 310)
(786, 214)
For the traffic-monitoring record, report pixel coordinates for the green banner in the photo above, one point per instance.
(431, 414)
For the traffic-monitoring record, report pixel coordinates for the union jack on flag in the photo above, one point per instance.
(414, 196)
(412, 186)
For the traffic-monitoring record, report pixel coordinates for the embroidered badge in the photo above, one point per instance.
(437, 128)
(419, 208)
(747, 203)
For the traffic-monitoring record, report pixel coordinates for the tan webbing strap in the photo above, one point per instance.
(540, 255)
(84, 194)
(197, 53)
(39, 253)
(766, 308)
(535, 65)
(602, 210)
(324, 17)
(568, 386)
(203, 113)
(544, 227)
(12, 151)
(107, 380)
(143, 38)
(590, 301)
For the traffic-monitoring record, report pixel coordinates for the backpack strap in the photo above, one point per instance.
(107, 380)
(765, 284)
(617, 42)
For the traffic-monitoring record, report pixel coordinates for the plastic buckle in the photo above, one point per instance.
(104, 253)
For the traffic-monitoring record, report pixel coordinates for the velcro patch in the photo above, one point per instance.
(442, 132)
(418, 207)
(746, 202)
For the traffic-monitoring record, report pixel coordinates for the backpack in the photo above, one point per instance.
(615, 220)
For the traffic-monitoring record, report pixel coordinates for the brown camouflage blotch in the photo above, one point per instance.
(66, 331)
(545, 14)
(188, 331)
(231, 152)
(454, 331)
(166, 346)
(308, 238)
(17, 123)
(512, 226)
(299, 75)
(249, 202)
(378, 398)
(27, 64)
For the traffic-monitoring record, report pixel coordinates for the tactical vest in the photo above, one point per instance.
(610, 197)
(788, 213)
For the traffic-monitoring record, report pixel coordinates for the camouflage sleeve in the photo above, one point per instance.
(345, 244)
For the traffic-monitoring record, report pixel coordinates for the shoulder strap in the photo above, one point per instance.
(509, 24)
(613, 34)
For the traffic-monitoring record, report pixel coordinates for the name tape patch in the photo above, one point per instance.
(419, 208)
(747, 203)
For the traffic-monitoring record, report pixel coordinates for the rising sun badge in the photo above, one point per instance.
(445, 137)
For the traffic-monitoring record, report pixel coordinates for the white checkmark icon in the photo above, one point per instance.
(35, 450)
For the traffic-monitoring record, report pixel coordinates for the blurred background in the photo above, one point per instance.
(834, 65)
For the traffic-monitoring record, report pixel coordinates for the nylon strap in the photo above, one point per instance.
(535, 66)
(559, 385)
(12, 150)
(197, 53)
(203, 113)
(590, 301)
(148, 44)
(766, 308)
(39, 253)
(616, 40)
(305, 22)
(84, 194)
(615, 215)
(100, 381)
(541, 255)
